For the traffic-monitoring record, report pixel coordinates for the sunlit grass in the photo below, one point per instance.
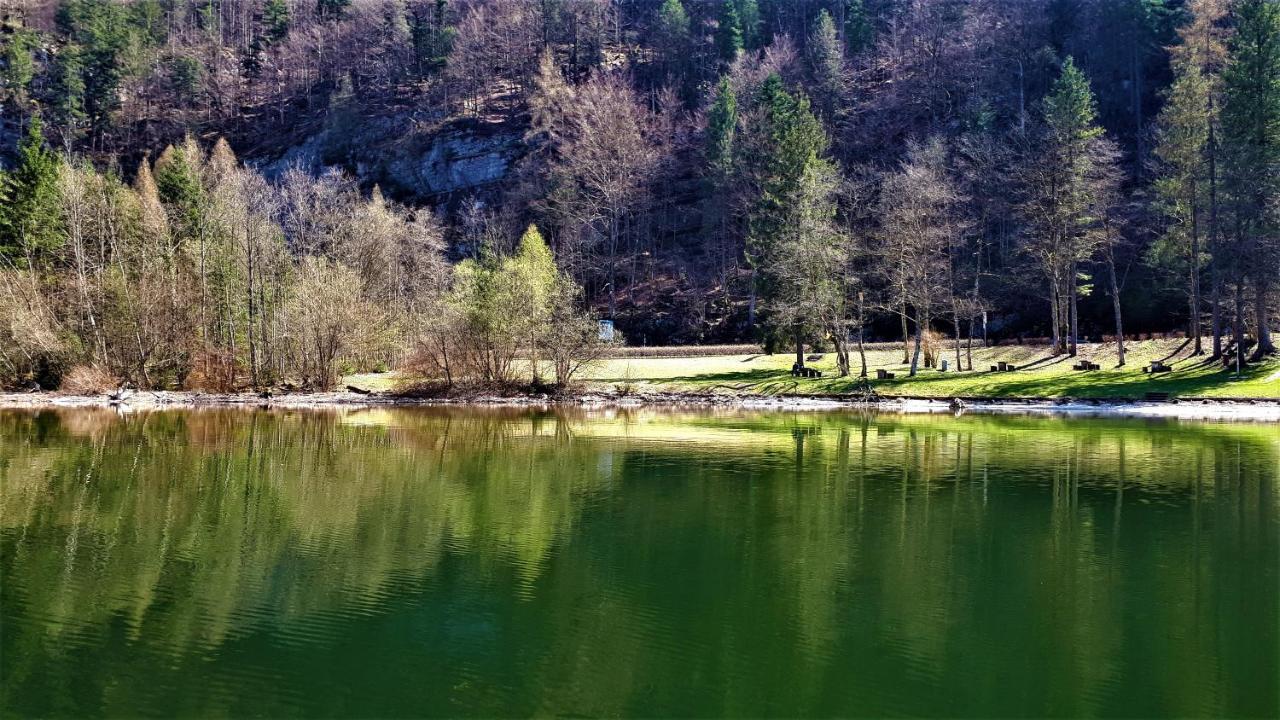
(1043, 375)
(1040, 374)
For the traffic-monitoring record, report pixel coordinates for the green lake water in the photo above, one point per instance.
(433, 562)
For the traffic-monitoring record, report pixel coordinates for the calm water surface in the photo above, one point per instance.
(510, 563)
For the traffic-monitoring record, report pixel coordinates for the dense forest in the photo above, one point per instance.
(215, 193)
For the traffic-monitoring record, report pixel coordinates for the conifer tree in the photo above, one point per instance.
(729, 31)
(858, 30)
(826, 62)
(30, 214)
(1251, 130)
(1183, 137)
(1063, 176)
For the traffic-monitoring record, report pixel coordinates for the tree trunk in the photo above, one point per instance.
(1115, 307)
(906, 335)
(1055, 339)
(915, 355)
(842, 354)
(955, 318)
(1074, 321)
(1265, 347)
(862, 352)
(1237, 323)
(799, 348)
(1214, 260)
(1193, 321)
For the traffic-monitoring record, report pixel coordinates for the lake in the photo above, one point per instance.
(501, 562)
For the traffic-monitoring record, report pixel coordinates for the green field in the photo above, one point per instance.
(1044, 375)
(1041, 375)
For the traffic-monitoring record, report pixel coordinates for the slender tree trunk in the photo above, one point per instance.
(1214, 260)
(968, 344)
(799, 348)
(1194, 279)
(1237, 323)
(862, 353)
(906, 335)
(955, 319)
(1115, 307)
(1054, 318)
(1074, 320)
(915, 355)
(1265, 347)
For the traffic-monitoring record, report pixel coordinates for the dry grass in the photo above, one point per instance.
(88, 380)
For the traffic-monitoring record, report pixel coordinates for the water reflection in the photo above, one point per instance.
(500, 562)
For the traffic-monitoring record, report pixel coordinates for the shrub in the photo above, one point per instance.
(88, 380)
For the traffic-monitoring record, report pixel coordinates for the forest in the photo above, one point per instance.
(221, 194)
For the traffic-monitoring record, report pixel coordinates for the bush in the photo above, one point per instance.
(88, 380)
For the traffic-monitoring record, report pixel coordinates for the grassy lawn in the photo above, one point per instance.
(1043, 376)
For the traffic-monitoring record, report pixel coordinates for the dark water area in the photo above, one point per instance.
(452, 562)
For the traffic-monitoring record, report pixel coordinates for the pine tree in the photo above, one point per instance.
(794, 178)
(749, 21)
(1251, 130)
(70, 88)
(858, 30)
(31, 214)
(1063, 177)
(276, 18)
(722, 121)
(729, 32)
(19, 64)
(673, 35)
(826, 62)
(1183, 137)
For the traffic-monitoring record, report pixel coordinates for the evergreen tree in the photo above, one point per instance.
(30, 216)
(673, 35)
(858, 30)
(729, 32)
(826, 62)
(794, 177)
(1251, 130)
(332, 9)
(69, 99)
(1183, 137)
(1064, 177)
(19, 64)
(722, 121)
(749, 20)
(275, 18)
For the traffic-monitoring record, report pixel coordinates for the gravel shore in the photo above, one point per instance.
(1243, 409)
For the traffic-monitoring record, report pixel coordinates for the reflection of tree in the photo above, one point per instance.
(645, 555)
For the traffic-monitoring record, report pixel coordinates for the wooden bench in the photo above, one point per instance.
(1006, 366)
(805, 372)
(1157, 367)
(882, 374)
(1085, 365)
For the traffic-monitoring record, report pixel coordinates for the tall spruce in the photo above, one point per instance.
(729, 32)
(1251, 136)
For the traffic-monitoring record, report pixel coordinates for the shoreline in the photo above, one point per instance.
(1233, 409)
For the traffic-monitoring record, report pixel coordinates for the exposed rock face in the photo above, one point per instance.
(459, 160)
(463, 157)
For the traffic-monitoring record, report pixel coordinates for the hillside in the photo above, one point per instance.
(701, 171)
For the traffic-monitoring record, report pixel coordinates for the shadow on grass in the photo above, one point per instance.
(1129, 382)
